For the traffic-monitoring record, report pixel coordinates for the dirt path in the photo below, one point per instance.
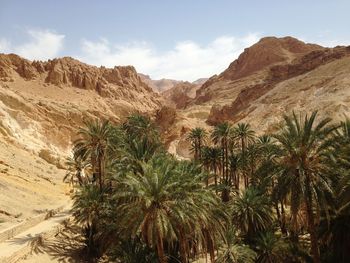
(14, 248)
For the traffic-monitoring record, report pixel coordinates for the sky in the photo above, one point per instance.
(178, 39)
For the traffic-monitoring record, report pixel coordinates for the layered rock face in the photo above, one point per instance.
(42, 104)
(52, 98)
(117, 82)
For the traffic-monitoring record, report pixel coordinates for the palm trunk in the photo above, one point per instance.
(231, 177)
(223, 157)
(101, 171)
(215, 177)
(80, 179)
(311, 223)
(283, 218)
(95, 168)
(226, 160)
(209, 246)
(195, 151)
(182, 244)
(211, 249)
(160, 250)
(294, 219)
(243, 163)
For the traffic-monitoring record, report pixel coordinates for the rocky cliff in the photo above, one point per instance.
(303, 73)
(273, 77)
(42, 104)
(252, 65)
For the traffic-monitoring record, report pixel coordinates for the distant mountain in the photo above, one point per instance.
(200, 81)
(162, 85)
(159, 85)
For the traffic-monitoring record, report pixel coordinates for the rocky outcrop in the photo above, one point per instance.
(181, 94)
(260, 57)
(274, 75)
(268, 51)
(43, 103)
(165, 117)
(307, 62)
(42, 106)
(117, 82)
(12, 62)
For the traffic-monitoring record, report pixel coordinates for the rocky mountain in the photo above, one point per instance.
(273, 77)
(42, 104)
(252, 66)
(181, 94)
(163, 85)
(316, 81)
(159, 85)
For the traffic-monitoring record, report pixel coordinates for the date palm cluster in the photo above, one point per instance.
(279, 197)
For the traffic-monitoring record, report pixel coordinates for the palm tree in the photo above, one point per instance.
(164, 204)
(233, 251)
(244, 135)
(76, 169)
(271, 248)
(305, 147)
(211, 158)
(252, 212)
(140, 126)
(131, 251)
(197, 137)
(334, 226)
(86, 209)
(221, 135)
(94, 142)
(234, 161)
(251, 161)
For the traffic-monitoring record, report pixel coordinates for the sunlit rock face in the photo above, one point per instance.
(42, 105)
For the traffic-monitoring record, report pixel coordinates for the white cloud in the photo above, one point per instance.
(42, 45)
(187, 60)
